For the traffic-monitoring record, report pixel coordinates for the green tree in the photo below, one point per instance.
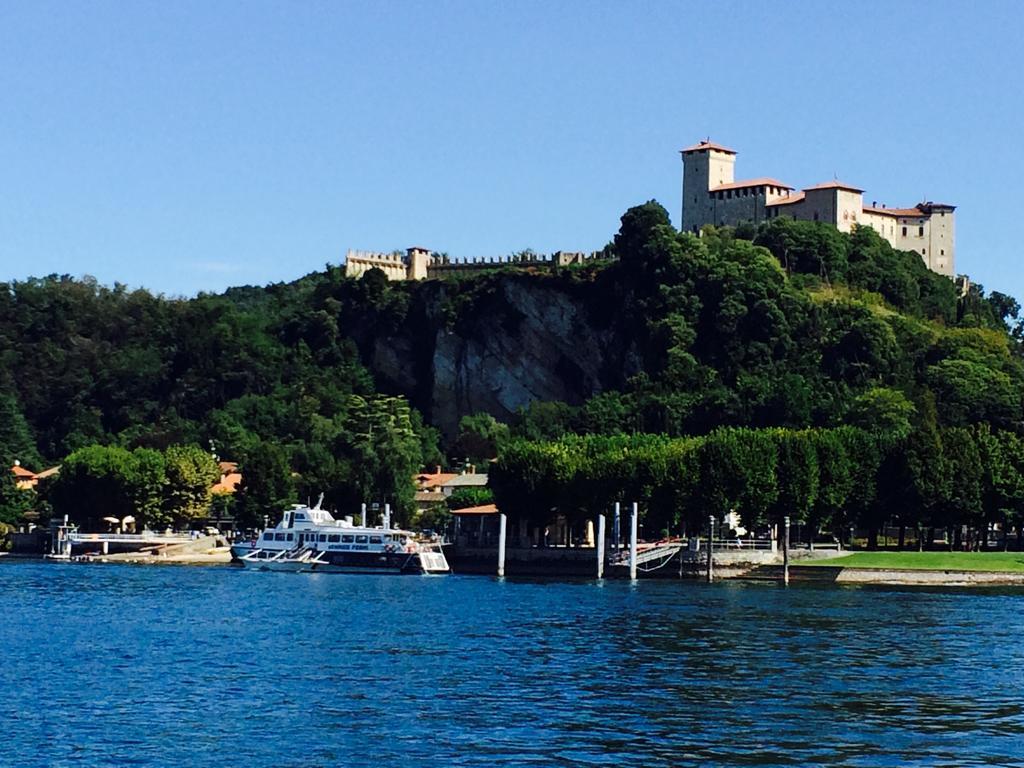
(108, 481)
(883, 411)
(383, 451)
(469, 497)
(267, 486)
(190, 472)
(962, 460)
(638, 224)
(835, 481)
(969, 392)
(797, 474)
(480, 438)
(16, 438)
(14, 502)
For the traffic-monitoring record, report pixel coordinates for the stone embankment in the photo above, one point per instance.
(206, 550)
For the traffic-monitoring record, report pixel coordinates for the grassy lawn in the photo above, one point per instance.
(930, 561)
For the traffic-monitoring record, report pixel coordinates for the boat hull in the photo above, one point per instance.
(353, 562)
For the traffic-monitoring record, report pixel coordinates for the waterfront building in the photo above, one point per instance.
(433, 488)
(712, 195)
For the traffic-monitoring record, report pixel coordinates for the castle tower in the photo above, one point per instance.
(417, 262)
(705, 165)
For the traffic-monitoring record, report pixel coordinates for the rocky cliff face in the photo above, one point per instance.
(522, 340)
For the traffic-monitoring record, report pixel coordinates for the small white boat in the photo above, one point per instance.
(311, 539)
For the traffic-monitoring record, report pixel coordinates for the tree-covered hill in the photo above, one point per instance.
(792, 325)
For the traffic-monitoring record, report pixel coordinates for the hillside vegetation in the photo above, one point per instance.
(353, 384)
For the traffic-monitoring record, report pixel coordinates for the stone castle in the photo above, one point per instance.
(711, 195)
(423, 264)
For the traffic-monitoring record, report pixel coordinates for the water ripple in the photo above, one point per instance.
(124, 666)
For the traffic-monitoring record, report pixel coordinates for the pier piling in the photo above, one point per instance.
(364, 515)
(600, 546)
(785, 550)
(502, 525)
(634, 514)
(711, 548)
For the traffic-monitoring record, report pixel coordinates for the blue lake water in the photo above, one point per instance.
(109, 665)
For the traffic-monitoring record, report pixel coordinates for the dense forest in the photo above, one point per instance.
(350, 386)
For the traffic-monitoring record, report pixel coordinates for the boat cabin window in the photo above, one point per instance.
(334, 538)
(346, 539)
(279, 537)
(387, 537)
(323, 537)
(291, 536)
(375, 540)
(361, 539)
(268, 536)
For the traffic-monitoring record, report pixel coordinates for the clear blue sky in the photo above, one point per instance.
(187, 146)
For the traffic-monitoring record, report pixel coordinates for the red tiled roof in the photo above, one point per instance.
(20, 471)
(228, 483)
(708, 145)
(762, 182)
(796, 197)
(834, 185)
(484, 509)
(897, 212)
(434, 479)
(227, 466)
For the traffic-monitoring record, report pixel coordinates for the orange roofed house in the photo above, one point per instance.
(26, 480)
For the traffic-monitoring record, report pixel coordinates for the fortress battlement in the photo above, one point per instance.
(421, 263)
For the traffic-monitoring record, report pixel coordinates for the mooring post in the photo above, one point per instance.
(600, 546)
(634, 514)
(711, 548)
(364, 514)
(502, 524)
(785, 550)
(387, 517)
(616, 527)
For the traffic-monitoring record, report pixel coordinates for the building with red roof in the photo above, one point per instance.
(711, 195)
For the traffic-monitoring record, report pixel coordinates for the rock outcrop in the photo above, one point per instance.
(522, 340)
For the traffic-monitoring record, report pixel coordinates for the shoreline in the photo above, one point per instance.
(819, 574)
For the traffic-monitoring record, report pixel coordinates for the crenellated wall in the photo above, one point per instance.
(420, 264)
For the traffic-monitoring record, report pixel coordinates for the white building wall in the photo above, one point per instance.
(849, 209)
(942, 242)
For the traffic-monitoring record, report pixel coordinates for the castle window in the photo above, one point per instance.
(904, 231)
(942, 252)
(923, 251)
(920, 231)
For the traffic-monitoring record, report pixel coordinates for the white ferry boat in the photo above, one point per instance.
(311, 539)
